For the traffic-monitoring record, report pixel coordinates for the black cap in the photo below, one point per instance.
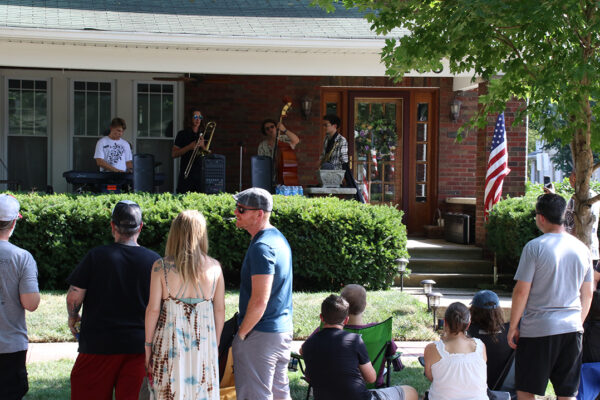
(127, 214)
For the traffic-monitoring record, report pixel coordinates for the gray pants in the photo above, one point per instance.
(260, 366)
(389, 393)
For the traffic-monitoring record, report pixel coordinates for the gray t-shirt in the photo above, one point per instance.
(19, 276)
(556, 264)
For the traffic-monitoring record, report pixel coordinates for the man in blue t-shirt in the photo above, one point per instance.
(261, 349)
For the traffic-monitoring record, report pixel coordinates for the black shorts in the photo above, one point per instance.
(13, 378)
(556, 357)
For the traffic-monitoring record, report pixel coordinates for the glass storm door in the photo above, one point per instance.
(378, 148)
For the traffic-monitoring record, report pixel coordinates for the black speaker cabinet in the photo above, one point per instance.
(459, 228)
(213, 174)
(261, 172)
(143, 173)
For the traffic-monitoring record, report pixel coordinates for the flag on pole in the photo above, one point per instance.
(497, 167)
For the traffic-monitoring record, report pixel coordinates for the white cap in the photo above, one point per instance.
(9, 208)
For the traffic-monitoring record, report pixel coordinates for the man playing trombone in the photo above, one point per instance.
(185, 143)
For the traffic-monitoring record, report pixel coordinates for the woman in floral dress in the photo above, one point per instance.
(185, 315)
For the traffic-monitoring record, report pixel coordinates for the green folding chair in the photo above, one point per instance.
(377, 339)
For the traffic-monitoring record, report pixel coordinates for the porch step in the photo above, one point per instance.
(448, 264)
(454, 280)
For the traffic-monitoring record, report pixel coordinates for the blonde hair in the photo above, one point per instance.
(187, 243)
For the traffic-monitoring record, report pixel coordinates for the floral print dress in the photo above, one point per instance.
(184, 363)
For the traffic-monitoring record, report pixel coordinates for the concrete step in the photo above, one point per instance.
(469, 253)
(456, 280)
(445, 265)
(439, 248)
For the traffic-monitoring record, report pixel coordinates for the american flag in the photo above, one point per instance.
(497, 167)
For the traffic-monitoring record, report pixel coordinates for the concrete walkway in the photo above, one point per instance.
(410, 350)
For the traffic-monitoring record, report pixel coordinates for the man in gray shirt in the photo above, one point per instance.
(551, 298)
(18, 292)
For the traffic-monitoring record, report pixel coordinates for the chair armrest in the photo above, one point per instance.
(394, 356)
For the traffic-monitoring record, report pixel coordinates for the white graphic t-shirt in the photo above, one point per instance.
(114, 152)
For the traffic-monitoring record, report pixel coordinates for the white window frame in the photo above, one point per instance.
(5, 133)
(175, 120)
(72, 135)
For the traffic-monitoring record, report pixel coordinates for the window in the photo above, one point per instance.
(422, 161)
(92, 111)
(28, 133)
(155, 126)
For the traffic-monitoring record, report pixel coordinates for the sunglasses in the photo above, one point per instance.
(270, 127)
(198, 117)
(242, 210)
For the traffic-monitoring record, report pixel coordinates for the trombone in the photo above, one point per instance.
(210, 129)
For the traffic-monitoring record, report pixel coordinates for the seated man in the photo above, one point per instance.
(113, 153)
(337, 363)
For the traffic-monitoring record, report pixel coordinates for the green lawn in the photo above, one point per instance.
(411, 320)
(50, 380)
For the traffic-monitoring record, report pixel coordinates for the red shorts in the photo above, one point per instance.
(95, 376)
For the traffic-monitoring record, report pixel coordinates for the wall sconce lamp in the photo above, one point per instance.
(306, 105)
(455, 110)
(401, 264)
(434, 300)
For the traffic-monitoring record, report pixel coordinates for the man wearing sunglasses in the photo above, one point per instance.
(185, 142)
(261, 349)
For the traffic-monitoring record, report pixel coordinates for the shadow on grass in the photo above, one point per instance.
(49, 380)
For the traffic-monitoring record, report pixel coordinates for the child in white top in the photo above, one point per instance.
(456, 365)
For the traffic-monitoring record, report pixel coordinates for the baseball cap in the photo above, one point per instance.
(9, 207)
(255, 198)
(127, 214)
(486, 299)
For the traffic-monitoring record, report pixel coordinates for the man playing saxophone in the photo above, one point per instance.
(185, 143)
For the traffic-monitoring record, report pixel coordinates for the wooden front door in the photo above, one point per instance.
(392, 146)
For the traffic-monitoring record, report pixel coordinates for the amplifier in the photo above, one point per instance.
(213, 174)
(459, 228)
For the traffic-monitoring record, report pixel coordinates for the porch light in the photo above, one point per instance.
(455, 110)
(434, 300)
(306, 105)
(401, 264)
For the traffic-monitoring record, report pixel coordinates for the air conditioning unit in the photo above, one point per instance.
(459, 228)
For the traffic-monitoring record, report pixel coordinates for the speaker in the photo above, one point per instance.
(143, 173)
(261, 172)
(213, 174)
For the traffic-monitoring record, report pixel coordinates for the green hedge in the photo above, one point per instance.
(333, 242)
(511, 224)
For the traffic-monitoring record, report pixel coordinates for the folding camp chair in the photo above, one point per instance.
(589, 384)
(377, 339)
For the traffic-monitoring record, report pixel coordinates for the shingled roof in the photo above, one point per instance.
(291, 19)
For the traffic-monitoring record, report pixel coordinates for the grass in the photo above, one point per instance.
(411, 320)
(50, 380)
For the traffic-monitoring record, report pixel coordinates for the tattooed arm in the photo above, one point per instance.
(75, 298)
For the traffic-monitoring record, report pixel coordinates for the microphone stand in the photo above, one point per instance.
(241, 144)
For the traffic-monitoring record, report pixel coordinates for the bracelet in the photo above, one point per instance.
(284, 132)
(147, 344)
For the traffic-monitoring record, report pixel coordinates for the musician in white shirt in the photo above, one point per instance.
(112, 152)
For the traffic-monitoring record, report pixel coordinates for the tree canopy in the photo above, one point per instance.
(544, 51)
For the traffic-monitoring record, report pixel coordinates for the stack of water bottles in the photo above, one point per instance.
(289, 190)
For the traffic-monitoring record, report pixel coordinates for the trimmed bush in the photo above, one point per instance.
(333, 241)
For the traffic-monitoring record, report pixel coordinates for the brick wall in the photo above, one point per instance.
(514, 183)
(239, 104)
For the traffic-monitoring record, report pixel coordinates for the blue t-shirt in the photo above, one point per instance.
(269, 254)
